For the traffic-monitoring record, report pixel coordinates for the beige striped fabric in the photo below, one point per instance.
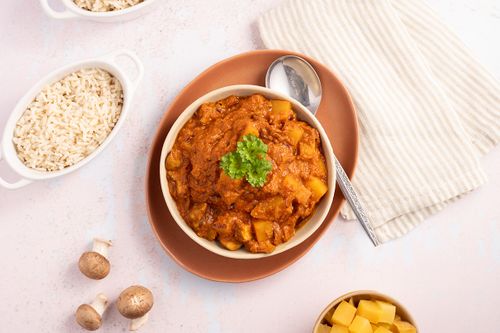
(427, 110)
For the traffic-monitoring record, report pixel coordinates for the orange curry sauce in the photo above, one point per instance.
(229, 210)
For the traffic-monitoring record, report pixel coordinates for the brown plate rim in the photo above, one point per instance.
(328, 221)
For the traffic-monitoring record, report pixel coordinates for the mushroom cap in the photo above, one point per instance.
(88, 318)
(134, 302)
(93, 265)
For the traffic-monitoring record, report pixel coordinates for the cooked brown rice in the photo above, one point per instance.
(68, 120)
(106, 5)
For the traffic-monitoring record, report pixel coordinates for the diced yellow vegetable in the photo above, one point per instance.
(263, 230)
(318, 189)
(279, 105)
(282, 110)
(250, 129)
(343, 314)
(196, 213)
(369, 310)
(404, 327)
(243, 231)
(323, 328)
(360, 325)
(294, 184)
(385, 325)
(294, 133)
(381, 329)
(272, 208)
(388, 312)
(339, 329)
(307, 151)
(230, 244)
(370, 316)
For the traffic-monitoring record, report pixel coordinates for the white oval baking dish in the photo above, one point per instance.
(108, 63)
(72, 11)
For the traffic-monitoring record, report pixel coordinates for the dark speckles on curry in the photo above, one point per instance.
(218, 201)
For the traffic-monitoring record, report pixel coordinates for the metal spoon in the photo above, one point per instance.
(295, 77)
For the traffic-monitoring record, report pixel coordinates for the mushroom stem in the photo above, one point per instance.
(101, 246)
(100, 303)
(135, 324)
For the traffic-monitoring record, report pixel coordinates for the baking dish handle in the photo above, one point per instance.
(135, 59)
(13, 186)
(66, 14)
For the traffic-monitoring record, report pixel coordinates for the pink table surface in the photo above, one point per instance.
(447, 271)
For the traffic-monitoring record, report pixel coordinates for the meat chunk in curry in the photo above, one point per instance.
(232, 211)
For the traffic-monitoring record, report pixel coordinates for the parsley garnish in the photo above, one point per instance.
(249, 161)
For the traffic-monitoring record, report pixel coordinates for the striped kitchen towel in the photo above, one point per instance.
(427, 109)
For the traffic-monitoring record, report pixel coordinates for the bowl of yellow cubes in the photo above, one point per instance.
(365, 312)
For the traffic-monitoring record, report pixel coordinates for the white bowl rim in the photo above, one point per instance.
(212, 246)
(106, 62)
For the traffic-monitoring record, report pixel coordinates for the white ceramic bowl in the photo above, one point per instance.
(108, 63)
(72, 11)
(303, 114)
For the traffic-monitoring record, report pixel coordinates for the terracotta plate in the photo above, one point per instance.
(337, 116)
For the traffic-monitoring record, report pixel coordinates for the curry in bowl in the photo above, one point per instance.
(246, 172)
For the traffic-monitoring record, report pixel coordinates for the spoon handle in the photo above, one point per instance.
(351, 197)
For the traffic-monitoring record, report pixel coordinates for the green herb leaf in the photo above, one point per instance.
(257, 175)
(233, 165)
(249, 161)
(251, 147)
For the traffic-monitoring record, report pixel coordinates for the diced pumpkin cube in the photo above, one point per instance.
(291, 182)
(360, 325)
(243, 231)
(260, 247)
(307, 151)
(230, 244)
(279, 105)
(173, 160)
(263, 230)
(381, 329)
(272, 208)
(385, 325)
(224, 224)
(388, 312)
(295, 185)
(343, 314)
(322, 328)
(196, 213)
(369, 310)
(404, 327)
(250, 129)
(339, 329)
(294, 134)
(281, 111)
(318, 189)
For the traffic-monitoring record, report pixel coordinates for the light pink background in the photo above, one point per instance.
(447, 271)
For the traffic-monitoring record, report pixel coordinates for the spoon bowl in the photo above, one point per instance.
(295, 77)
